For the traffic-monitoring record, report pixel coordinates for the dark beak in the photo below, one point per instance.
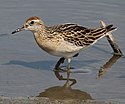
(18, 30)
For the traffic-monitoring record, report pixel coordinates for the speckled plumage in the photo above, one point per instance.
(64, 40)
(78, 35)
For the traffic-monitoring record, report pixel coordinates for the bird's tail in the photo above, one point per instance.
(110, 28)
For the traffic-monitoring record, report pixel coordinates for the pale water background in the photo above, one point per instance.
(26, 70)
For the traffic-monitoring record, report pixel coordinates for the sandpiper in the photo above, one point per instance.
(64, 40)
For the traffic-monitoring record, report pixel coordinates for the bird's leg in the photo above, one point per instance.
(61, 61)
(68, 70)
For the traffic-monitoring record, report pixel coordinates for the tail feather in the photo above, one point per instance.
(110, 28)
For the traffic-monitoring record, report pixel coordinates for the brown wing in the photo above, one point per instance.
(78, 35)
(81, 36)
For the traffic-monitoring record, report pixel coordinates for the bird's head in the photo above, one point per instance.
(32, 24)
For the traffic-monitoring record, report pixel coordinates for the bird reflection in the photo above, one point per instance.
(102, 71)
(65, 93)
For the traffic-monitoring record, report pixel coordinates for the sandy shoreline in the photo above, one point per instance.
(43, 100)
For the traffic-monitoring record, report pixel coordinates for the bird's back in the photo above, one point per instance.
(79, 35)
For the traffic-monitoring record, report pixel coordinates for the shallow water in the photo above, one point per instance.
(25, 70)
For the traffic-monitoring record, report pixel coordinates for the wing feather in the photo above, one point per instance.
(79, 35)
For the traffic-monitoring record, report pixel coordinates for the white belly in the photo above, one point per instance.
(64, 49)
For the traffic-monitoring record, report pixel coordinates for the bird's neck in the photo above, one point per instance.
(40, 32)
(40, 36)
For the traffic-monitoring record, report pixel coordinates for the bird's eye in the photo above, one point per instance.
(32, 22)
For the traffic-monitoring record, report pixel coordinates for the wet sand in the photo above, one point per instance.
(43, 100)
